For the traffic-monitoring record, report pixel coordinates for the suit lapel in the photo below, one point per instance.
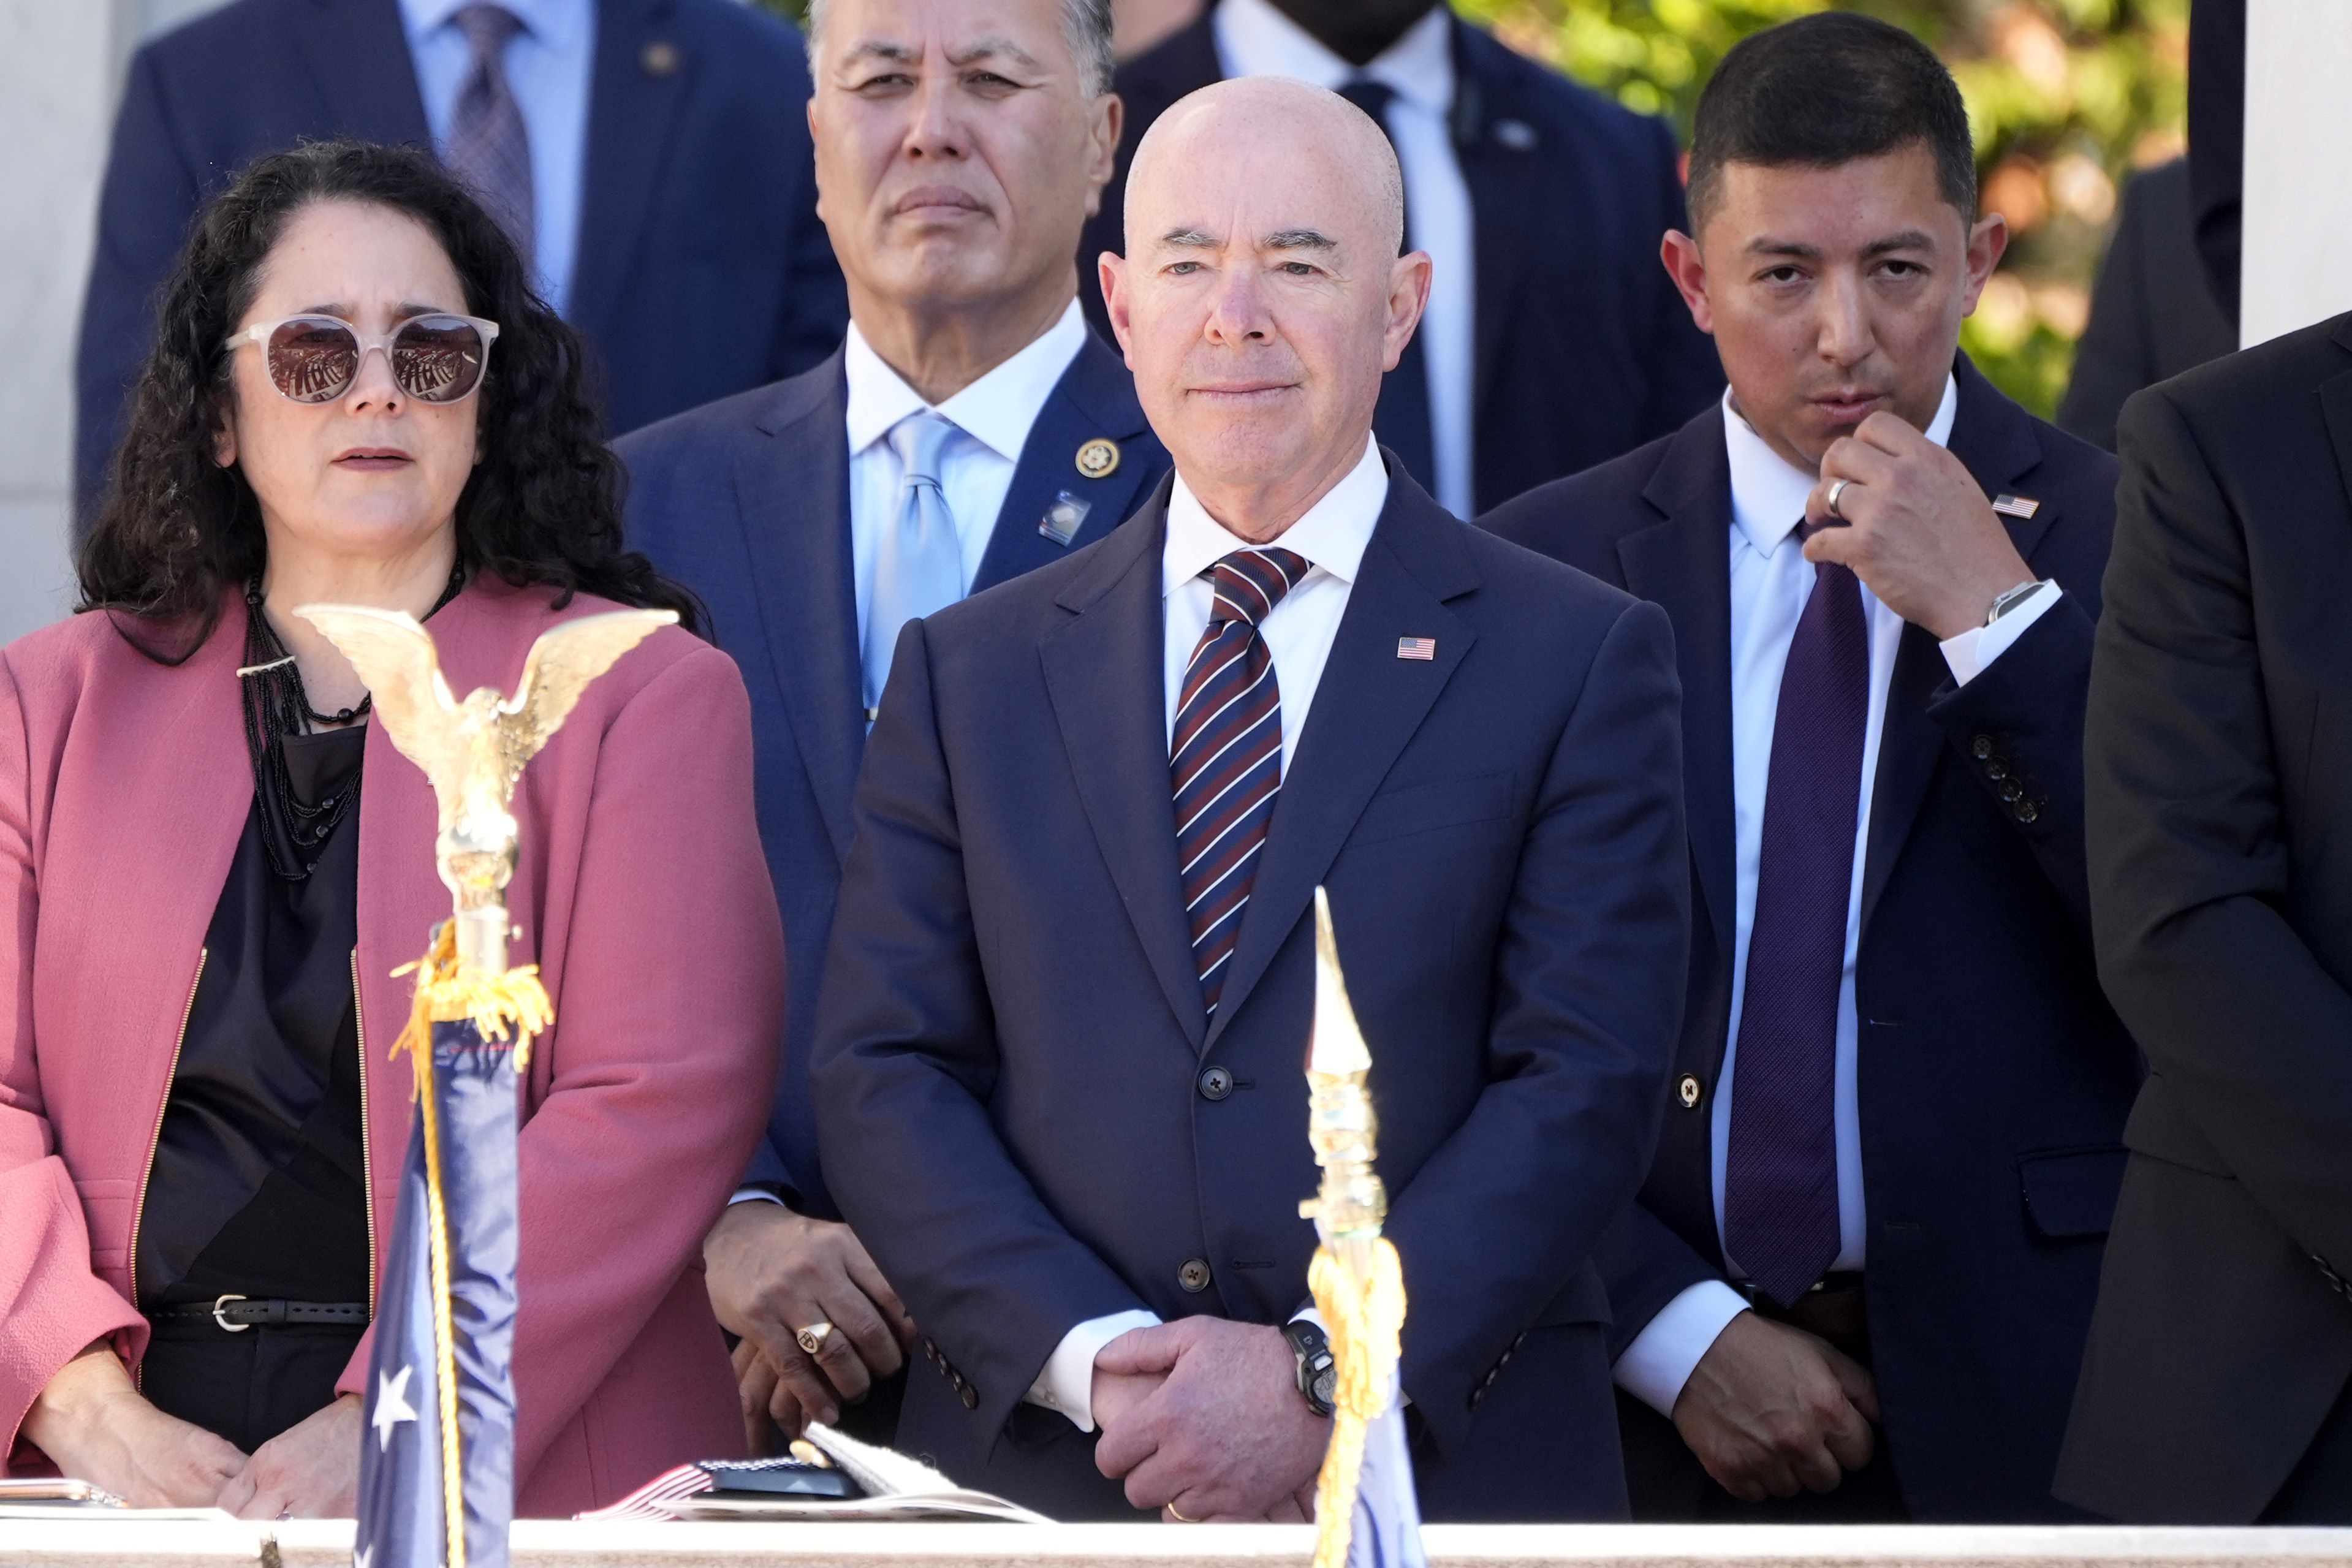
(1106, 675)
(358, 55)
(2336, 406)
(630, 111)
(1095, 400)
(1683, 565)
(1994, 439)
(1365, 708)
(794, 496)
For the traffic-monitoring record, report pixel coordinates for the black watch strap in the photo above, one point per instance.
(1318, 1373)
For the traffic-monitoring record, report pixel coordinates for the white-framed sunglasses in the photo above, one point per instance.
(435, 358)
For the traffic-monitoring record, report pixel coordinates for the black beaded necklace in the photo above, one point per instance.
(277, 706)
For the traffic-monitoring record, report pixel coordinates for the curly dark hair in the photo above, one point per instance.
(177, 531)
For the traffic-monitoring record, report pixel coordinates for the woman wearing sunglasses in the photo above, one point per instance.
(217, 862)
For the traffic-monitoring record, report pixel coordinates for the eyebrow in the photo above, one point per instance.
(1281, 239)
(900, 54)
(1909, 239)
(400, 312)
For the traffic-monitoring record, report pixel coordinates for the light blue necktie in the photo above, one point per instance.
(920, 567)
(489, 148)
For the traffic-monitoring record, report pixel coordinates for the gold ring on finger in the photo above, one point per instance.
(811, 1338)
(1179, 1518)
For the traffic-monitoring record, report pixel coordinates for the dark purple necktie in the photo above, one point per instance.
(1781, 1187)
(490, 149)
(1225, 757)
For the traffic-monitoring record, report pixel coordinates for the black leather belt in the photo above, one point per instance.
(1833, 1309)
(236, 1314)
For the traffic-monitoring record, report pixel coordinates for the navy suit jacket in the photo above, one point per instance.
(702, 268)
(1994, 1078)
(1582, 348)
(1011, 1047)
(747, 502)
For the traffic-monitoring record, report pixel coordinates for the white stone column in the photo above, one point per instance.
(57, 77)
(2297, 259)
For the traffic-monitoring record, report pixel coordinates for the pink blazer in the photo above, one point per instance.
(642, 895)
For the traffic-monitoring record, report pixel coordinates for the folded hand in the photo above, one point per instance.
(1227, 1436)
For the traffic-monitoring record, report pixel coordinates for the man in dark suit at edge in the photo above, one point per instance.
(1059, 1049)
(1549, 343)
(1892, 1147)
(971, 428)
(2218, 1384)
(650, 158)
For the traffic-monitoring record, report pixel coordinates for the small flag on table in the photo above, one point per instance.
(437, 1463)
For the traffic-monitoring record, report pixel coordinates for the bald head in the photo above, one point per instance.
(1262, 295)
(1231, 131)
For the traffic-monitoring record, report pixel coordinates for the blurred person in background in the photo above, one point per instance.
(1858, 1280)
(650, 159)
(971, 428)
(1551, 342)
(217, 862)
(2152, 314)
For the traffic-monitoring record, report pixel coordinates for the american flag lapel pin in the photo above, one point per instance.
(1421, 648)
(2009, 506)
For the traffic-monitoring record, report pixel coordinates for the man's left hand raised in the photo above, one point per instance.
(1921, 534)
(1227, 1436)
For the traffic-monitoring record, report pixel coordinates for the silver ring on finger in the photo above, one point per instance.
(1837, 488)
(811, 1338)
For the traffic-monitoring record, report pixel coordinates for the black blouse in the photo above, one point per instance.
(260, 1184)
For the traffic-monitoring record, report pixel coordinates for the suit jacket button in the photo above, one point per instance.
(1217, 1083)
(1193, 1275)
(2027, 811)
(2010, 789)
(1995, 769)
(1688, 1088)
(1980, 747)
(968, 1394)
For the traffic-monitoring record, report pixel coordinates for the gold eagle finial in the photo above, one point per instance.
(474, 751)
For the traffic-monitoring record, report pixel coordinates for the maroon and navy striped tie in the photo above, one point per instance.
(1225, 757)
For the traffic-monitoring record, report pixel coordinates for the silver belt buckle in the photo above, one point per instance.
(227, 1326)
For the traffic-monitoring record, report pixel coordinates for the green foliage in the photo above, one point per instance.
(2065, 98)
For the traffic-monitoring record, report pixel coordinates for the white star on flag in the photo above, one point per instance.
(391, 1406)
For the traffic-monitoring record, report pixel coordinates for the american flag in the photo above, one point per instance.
(1417, 648)
(436, 1464)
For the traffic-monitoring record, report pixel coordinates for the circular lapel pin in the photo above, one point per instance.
(1098, 459)
(659, 58)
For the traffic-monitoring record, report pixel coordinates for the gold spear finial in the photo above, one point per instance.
(1358, 1281)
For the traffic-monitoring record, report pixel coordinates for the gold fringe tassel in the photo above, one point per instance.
(513, 1002)
(1366, 1320)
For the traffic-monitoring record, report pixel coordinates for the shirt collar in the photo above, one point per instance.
(558, 23)
(1768, 492)
(1331, 535)
(997, 410)
(1253, 39)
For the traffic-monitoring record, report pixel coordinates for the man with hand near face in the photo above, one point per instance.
(1060, 1050)
(1864, 1262)
(971, 428)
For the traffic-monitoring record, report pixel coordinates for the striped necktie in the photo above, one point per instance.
(1225, 757)
(489, 148)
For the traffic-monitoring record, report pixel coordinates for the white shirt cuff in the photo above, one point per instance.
(1067, 1384)
(1655, 1367)
(752, 1194)
(1972, 653)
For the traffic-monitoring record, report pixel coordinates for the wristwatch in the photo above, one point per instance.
(2016, 596)
(1318, 1373)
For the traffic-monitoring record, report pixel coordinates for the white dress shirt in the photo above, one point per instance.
(1331, 536)
(547, 65)
(1771, 580)
(992, 417)
(1253, 39)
